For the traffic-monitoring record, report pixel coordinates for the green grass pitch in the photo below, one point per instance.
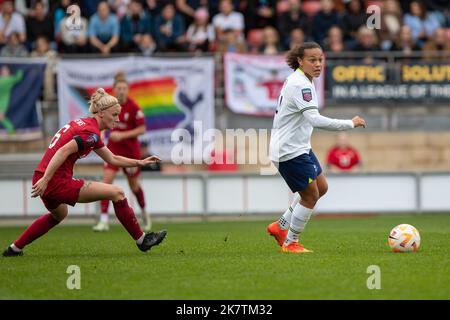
(233, 260)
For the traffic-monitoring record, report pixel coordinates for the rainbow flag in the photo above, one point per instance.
(156, 97)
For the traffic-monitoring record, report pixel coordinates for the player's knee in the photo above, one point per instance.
(310, 200)
(60, 216)
(118, 194)
(323, 190)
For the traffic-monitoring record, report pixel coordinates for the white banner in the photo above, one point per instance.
(173, 93)
(253, 83)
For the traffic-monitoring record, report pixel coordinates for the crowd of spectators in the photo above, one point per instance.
(254, 26)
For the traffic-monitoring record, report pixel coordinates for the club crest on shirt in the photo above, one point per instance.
(307, 94)
(91, 140)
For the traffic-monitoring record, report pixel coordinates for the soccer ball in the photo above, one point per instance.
(404, 238)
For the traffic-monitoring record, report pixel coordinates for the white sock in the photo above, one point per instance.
(285, 219)
(14, 248)
(300, 218)
(141, 239)
(104, 217)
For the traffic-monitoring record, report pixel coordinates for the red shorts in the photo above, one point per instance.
(129, 172)
(59, 191)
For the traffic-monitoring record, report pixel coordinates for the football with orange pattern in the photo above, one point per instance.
(404, 238)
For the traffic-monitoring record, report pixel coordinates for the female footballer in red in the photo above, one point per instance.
(123, 141)
(53, 181)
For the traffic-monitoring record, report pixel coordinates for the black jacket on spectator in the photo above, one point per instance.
(351, 23)
(253, 19)
(286, 23)
(36, 28)
(322, 23)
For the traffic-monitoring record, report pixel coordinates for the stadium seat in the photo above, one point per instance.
(374, 2)
(255, 39)
(311, 7)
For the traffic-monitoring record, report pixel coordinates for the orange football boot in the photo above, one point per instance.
(275, 231)
(294, 247)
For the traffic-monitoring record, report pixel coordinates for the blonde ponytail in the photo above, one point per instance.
(101, 100)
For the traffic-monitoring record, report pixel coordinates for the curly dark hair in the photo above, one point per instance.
(299, 52)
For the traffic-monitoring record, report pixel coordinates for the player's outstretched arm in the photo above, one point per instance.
(57, 160)
(318, 121)
(124, 162)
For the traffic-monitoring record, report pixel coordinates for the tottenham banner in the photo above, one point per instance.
(253, 83)
(173, 93)
(20, 87)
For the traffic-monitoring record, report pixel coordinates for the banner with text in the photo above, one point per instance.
(173, 93)
(20, 88)
(352, 81)
(253, 83)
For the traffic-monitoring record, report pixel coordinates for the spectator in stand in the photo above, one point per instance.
(422, 23)
(147, 46)
(391, 22)
(335, 40)
(228, 20)
(120, 7)
(152, 7)
(11, 22)
(200, 35)
(405, 42)
(437, 48)
(324, 20)
(43, 50)
(40, 24)
(14, 48)
(343, 157)
(169, 29)
(189, 7)
(292, 19)
(271, 42)
(353, 18)
(133, 26)
(89, 7)
(104, 30)
(296, 38)
(366, 41)
(72, 40)
(27, 8)
(59, 13)
(259, 13)
(229, 42)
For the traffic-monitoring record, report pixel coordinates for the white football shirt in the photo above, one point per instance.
(295, 118)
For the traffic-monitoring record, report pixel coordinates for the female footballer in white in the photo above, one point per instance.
(296, 116)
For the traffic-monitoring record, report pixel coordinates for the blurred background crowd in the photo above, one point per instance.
(37, 27)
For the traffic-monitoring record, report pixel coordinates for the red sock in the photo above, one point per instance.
(37, 229)
(127, 218)
(104, 204)
(140, 197)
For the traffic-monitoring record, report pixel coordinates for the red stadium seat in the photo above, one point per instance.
(374, 2)
(311, 7)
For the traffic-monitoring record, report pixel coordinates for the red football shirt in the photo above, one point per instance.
(86, 133)
(344, 159)
(131, 117)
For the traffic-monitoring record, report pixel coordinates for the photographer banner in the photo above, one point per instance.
(253, 83)
(173, 93)
(20, 87)
(353, 81)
